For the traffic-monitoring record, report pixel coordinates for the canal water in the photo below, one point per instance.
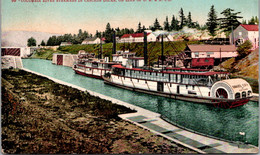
(217, 122)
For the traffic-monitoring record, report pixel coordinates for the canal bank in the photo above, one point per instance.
(41, 116)
(152, 121)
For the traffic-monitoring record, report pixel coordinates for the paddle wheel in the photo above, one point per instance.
(221, 93)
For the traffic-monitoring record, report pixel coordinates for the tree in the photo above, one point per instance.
(197, 25)
(31, 42)
(190, 24)
(98, 34)
(256, 20)
(244, 22)
(174, 24)
(139, 28)
(43, 43)
(108, 33)
(143, 28)
(52, 41)
(182, 19)
(230, 20)
(244, 49)
(212, 21)
(156, 25)
(166, 24)
(253, 21)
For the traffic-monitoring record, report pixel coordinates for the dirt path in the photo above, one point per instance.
(40, 116)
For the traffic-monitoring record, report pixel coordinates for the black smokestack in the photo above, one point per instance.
(162, 57)
(145, 49)
(114, 42)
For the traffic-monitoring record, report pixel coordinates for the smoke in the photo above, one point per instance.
(189, 33)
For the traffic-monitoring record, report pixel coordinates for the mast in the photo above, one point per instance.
(162, 56)
(145, 49)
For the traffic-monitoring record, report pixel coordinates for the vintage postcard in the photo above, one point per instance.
(129, 76)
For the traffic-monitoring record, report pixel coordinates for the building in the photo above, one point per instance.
(245, 32)
(202, 62)
(207, 51)
(17, 51)
(217, 52)
(122, 56)
(64, 59)
(135, 62)
(65, 43)
(137, 37)
(94, 40)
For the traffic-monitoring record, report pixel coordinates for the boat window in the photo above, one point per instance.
(243, 94)
(249, 93)
(192, 92)
(193, 87)
(186, 86)
(237, 95)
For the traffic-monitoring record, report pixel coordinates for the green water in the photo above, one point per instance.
(222, 123)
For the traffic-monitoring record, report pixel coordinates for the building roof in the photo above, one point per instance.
(90, 39)
(211, 48)
(135, 35)
(126, 36)
(250, 27)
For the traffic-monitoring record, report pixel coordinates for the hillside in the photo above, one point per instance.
(154, 48)
(246, 67)
(249, 66)
(19, 38)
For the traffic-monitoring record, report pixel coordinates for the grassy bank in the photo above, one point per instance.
(154, 49)
(45, 54)
(40, 116)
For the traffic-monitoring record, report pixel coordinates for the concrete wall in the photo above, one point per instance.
(68, 59)
(11, 61)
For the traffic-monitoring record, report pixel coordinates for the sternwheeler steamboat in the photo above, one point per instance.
(194, 85)
(89, 65)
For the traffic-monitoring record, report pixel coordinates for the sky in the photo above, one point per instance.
(69, 17)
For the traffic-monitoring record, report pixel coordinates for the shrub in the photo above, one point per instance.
(244, 49)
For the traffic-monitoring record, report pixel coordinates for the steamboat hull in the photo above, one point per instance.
(216, 102)
(88, 75)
